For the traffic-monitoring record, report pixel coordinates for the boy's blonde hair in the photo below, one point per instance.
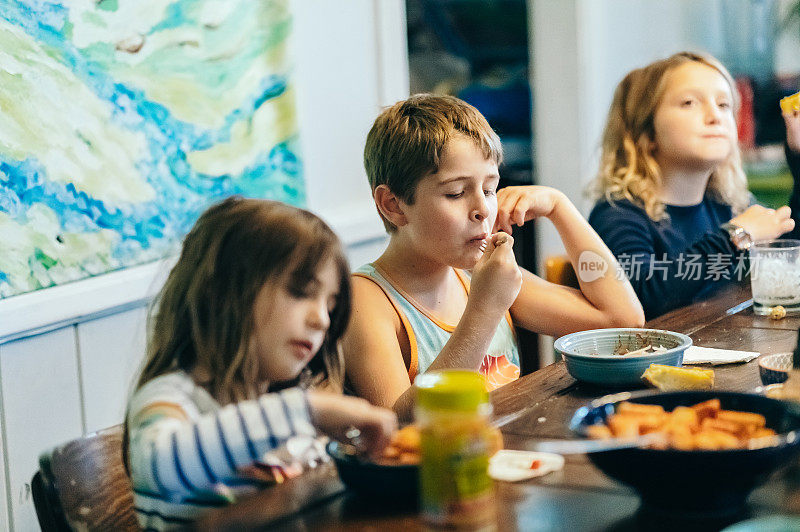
(628, 169)
(407, 139)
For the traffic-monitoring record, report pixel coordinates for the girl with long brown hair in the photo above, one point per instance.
(244, 338)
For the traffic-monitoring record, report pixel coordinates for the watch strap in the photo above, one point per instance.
(738, 236)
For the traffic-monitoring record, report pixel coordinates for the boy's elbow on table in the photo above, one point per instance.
(633, 317)
(624, 316)
(636, 321)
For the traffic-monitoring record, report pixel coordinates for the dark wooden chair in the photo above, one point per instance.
(82, 485)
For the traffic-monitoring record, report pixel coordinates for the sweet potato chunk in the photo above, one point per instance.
(704, 426)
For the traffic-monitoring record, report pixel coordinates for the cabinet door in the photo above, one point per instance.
(110, 350)
(41, 409)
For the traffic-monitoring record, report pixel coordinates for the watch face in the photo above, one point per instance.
(741, 238)
(744, 240)
(738, 236)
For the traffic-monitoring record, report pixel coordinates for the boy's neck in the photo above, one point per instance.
(425, 279)
(410, 268)
(683, 187)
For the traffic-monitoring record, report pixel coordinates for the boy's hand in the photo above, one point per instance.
(763, 223)
(337, 415)
(517, 205)
(496, 279)
(792, 130)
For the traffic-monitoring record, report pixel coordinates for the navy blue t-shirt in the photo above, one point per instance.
(675, 261)
(684, 257)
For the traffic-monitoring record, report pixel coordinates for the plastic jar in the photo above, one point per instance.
(452, 411)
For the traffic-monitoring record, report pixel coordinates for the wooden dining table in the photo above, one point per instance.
(538, 407)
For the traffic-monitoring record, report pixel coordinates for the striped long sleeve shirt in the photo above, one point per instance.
(185, 449)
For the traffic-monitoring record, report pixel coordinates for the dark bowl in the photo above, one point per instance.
(694, 483)
(396, 482)
(774, 369)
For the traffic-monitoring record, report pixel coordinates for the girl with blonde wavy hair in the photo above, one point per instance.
(673, 202)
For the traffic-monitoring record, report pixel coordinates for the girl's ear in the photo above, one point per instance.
(389, 205)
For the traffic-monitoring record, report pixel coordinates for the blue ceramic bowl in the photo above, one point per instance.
(591, 356)
(774, 369)
(694, 483)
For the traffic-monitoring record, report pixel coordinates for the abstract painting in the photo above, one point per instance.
(120, 122)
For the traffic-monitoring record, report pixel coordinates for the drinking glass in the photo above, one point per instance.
(775, 275)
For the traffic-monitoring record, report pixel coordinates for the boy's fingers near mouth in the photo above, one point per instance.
(519, 213)
(514, 210)
(501, 220)
(501, 238)
(504, 222)
(488, 248)
(497, 240)
(507, 207)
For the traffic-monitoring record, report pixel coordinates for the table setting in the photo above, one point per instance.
(638, 485)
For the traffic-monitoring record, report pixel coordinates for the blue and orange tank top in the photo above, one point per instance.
(427, 335)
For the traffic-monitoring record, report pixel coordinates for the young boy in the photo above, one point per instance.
(432, 163)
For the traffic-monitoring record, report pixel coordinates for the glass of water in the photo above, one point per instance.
(775, 275)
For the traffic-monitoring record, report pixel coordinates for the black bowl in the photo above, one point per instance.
(694, 483)
(395, 482)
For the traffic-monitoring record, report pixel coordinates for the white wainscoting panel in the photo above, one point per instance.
(41, 409)
(110, 351)
(4, 498)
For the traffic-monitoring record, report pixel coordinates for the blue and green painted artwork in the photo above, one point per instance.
(120, 122)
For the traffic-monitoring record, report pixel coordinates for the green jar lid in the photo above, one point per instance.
(451, 389)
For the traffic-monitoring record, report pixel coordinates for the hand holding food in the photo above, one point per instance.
(341, 416)
(496, 279)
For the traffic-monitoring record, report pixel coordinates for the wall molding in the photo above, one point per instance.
(61, 306)
(52, 308)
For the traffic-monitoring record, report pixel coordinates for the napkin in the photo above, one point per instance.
(513, 466)
(709, 355)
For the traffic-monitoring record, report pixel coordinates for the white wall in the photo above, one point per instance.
(341, 89)
(787, 46)
(580, 50)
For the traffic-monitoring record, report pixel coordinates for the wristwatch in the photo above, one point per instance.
(739, 237)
